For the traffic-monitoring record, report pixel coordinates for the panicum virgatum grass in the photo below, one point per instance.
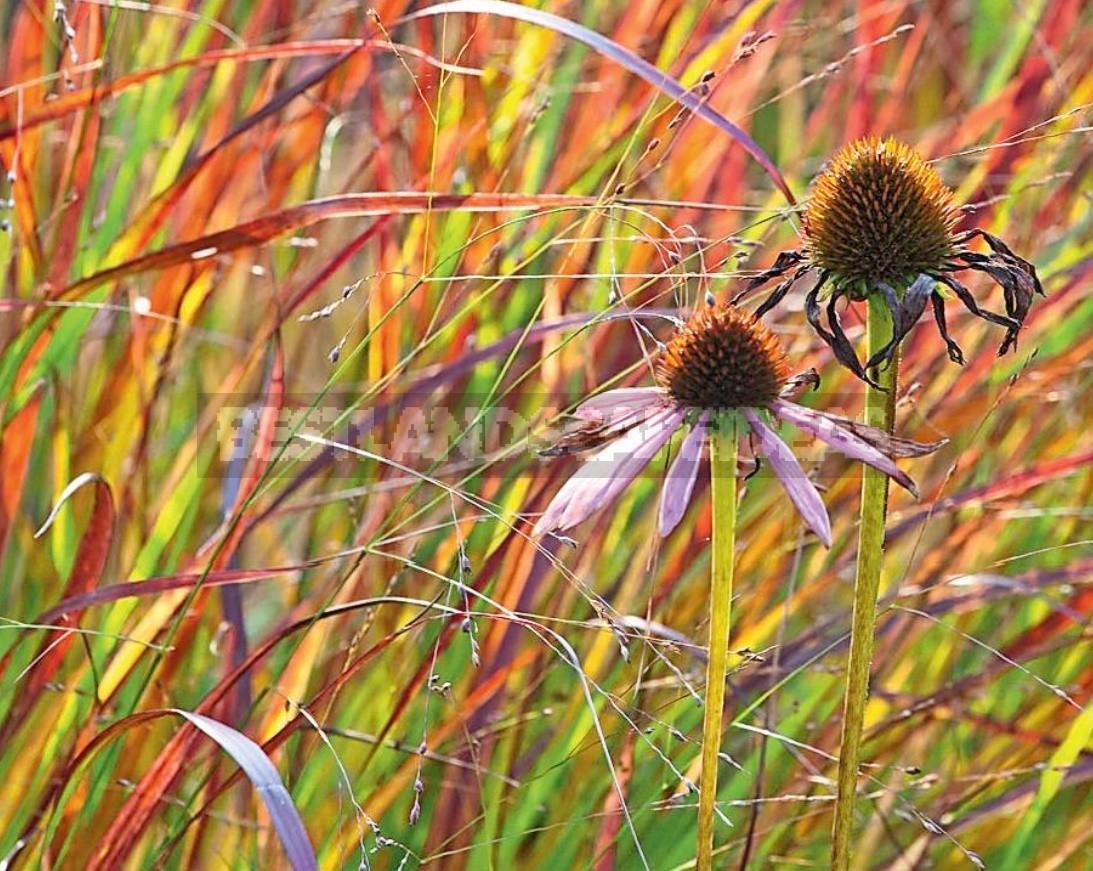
(291, 297)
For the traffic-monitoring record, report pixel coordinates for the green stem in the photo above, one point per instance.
(879, 412)
(723, 450)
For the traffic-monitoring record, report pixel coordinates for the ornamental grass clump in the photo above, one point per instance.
(881, 227)
(725, 374)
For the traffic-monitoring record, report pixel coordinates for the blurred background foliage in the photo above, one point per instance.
(316, 218)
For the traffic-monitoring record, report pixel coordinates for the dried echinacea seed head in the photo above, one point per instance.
(881, 223)
(879, 212)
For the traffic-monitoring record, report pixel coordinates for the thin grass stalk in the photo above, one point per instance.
(723, 452)
(880, 406)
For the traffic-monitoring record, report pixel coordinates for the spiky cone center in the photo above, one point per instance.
(723, 358)
(879, 212)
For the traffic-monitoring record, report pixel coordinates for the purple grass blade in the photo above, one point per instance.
(842, 440)
(606, 474)
(797, 486)
(609, 48)
(605, 406)
(680, 483)
(261, 772)
(231, 595)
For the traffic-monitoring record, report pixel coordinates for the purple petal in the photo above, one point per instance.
(626, 458)
(680, 483)
(606, 474)
(626, 399)
(842, 440)
(797, 486)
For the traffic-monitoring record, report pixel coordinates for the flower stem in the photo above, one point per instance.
(880, 408)
(723, 450)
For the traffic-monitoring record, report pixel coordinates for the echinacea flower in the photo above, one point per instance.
(721, 360)
(881, 221)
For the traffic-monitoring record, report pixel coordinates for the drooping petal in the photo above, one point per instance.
(835, 337)
(1012, 326)
(915, 298)
(892, 446)
(905, 311)
(800, 490)
(590, 434)
(785, 261)
(781, 290)
(971, 305)
(1016, 276)
(1000, 247)
(828, 429)
(680, 483)
(938, 303)
(636, 449)
(841, 347)
(1017, 286)
(606, 474)
(626, 399)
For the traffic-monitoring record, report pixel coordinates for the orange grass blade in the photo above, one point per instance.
(166, 583)
(637, 65)
(17, 441)
(86, 97)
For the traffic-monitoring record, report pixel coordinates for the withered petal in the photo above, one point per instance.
(799, 383)
(1000, 247)
(785, 261)
(1016, 276)
(889, 445)
(837, 339)
(778, 294)
(971, 305)
(955, 354)
(905, 312)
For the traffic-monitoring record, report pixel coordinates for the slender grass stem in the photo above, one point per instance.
(723, 451)
(879, 412)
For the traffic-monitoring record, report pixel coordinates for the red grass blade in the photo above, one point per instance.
(279, 223)
(71, 605)
(609, 48)
(17, 440)
(86, 97)
(86, 572)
